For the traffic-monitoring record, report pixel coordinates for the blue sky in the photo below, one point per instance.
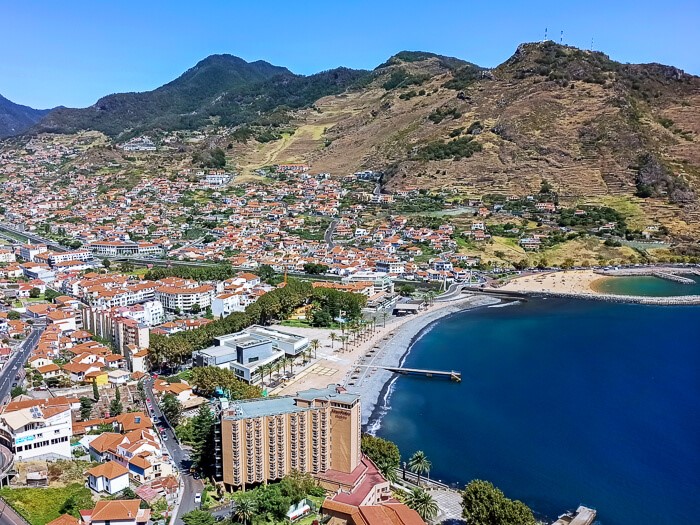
(73, 52)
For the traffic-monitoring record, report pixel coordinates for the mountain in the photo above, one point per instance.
(221, 88)
(16, 119)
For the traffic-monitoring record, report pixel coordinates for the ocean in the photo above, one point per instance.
(563, 402)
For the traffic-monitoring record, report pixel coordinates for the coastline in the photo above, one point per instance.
(582, 284)
(374, 384)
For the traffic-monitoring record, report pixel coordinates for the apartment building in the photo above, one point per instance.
(181, 295)
(110, 323)
(37, 431)
(55, 258)
(7, 256)
(381, 281)
(29, 251)
(317, 431)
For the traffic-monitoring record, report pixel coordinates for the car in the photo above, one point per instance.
(198, 497)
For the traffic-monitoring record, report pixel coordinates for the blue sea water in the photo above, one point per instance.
(648, 286)
(563, 402)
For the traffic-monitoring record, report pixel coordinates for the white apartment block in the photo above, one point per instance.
(37, 431)
(80, 255)
(183, 298)
(6, 256)
(29, 251)
(227, 303)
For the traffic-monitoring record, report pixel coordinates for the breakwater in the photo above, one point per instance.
(680, 300)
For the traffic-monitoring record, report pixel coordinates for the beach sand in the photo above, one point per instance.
(566, 282)
(355, 368)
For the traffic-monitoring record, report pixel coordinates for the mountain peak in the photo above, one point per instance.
(16, 118)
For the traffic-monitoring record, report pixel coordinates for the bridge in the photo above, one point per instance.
(7, 463)
(451, 374)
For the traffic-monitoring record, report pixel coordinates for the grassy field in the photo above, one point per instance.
(42, 505)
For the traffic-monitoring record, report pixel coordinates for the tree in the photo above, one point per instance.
(406, 290)
(244, 511)
(315, 268)
(333, 337)
(423, 503)
(116, 407)
(198, 517)
(383, 453)
(17, 391)
(77, 502)
(419, 464)
(315, 343)
(106, 263)
(208, 379)
(196, 308)
(265, 272)
(50, 294)
(85, 408)
(203, 439)
(34, 293)
(172, 409)
(95, 391)
(13, 315)
(484, 504)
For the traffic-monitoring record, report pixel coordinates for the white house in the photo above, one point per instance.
(226, 303)
(110, 477)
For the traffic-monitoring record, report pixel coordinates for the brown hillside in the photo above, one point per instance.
(572, 117)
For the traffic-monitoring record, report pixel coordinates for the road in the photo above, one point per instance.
(8, 516)
(328, 235)
(8, 372)
(180, 457)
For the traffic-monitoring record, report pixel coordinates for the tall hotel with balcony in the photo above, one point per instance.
(317, 431)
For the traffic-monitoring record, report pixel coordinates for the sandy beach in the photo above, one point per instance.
(357, 368)
(565, 282)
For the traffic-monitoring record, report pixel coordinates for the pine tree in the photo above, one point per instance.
(95, 392)
(116, 407)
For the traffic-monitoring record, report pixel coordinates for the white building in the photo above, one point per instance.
(183, 297)
(110, 477)
(29, 251)
(37, 431)
(61, 257)
(6, 256)
(227, 303)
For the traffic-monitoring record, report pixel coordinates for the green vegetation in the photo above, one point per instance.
(115, 406)
(315, 269)
(439, 114)
(198, 517)
(172, 409)
(383, 453)
(423, 503)
(220, 272)
(272, 501)
(274, 305)
(211, 158)
(220, 87)
(402, 78)
(463, 77)
(41, 505)
(456, 149)
(419, 464)
(202, 439)
(484, 504)
(208, 379)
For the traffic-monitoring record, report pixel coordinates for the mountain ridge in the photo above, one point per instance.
(15, 118)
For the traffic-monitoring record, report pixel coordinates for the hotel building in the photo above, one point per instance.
(317, 431)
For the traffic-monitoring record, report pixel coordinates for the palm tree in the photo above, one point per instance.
(244, 511)
(384, 316)
(343, 340)
(334, 338)
(419, 464)
(423, 503)
(315, 343)
(277, 366)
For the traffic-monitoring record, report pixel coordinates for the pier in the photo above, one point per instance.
(452, 375)
(673, 277)
(582, 516)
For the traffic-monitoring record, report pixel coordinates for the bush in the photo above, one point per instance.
(456, 149)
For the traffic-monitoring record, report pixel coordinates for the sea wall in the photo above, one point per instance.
(681, 300)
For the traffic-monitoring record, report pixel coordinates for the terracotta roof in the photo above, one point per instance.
(109, 470)
(64, 519)
(121, 509)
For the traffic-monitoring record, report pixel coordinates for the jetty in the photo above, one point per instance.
(582, 516)
(673, 277)
(452, 375)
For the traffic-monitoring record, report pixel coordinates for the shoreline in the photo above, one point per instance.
(583, 284)
(373, 385)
